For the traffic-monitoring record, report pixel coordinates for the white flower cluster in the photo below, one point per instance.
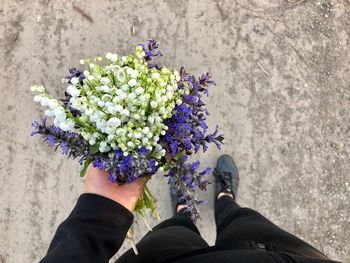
(122, 104)
(55, 109)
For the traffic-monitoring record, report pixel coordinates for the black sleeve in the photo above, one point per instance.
(93, 232)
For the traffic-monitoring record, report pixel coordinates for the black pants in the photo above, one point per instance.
(235, 227)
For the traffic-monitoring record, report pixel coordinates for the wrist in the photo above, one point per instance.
(126, 195)
(129, 202)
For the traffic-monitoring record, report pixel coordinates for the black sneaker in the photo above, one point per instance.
(226, 176)
(175, 198)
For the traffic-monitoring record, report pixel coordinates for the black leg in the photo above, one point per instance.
(175, 236)
(236, 224)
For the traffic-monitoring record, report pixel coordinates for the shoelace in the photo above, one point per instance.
(225, 178)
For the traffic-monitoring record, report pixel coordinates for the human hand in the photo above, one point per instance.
(127, 195)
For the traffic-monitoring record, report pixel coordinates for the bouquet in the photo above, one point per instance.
(132, 117)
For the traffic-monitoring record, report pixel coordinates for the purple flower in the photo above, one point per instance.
(192, 185)
(112, 177)
(173, 148)
(154, 65)
(209, 138)
(118, 153)
(188, 144)
(195, 165)
(98, 163)
(192, 99)
(126, 165)
(205, 80)
(143, 150)
(73, 72)
(35, 125)
(171, 180)
(151, 49)
(51, 140)
(68, 105)
(171, 173)
(152, 165)
(131, 178)
(206, 171)
(65, 148)
(203, 125)
(185, 177)
(184, 158)
(72, 144)
(215, 138)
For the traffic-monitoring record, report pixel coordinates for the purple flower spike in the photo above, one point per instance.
(126, 165)
(51, 140)
(73, 72)
(72, 144)
(151, 51)
(98, 163)
(112, 178)
(143, 150)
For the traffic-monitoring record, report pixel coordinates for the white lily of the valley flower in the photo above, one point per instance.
(151, 119)
(132, 96)
(67, 125)
(49, 113)
(121, 75)
(105, 80)
(139, 90)
(37, 88)
(154, 104)
(44, 101)
(155, 75)
(53, 103)
(114, 58)
(74, 80)
(132, 82)
(162, 152)
(110, 130)
(118, 108)
(137, 135)
(73, 91)
(37, 98)
(105, 88)
(125, 112)
(90, 78)
(109, 56)
(115, 122)
(130, 144)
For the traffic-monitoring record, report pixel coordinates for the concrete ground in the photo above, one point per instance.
(282, 100)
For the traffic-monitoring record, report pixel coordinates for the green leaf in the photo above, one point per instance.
(86, 165)
(94, 149)
(140, 204)
(179, 155)
(167, 166)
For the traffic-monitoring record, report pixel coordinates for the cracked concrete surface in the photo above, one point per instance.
(282, 99)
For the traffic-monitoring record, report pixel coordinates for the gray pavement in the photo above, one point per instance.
(282, 100)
